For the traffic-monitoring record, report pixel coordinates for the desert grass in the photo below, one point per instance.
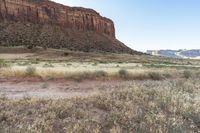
(80, 71)
(89, 71)
(166, 106)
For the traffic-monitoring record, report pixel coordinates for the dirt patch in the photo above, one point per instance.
(56, 89)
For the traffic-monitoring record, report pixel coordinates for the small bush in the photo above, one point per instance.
(155, 76)
(30, 70)
(66, 54)
(3, 63)
(193, 116)
(89, 75)
(103, 62)
(93, 75)
(99, 74)
(167, 75)
(187, 74)
(123, 73)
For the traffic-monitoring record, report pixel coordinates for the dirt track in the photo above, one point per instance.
(15, 89)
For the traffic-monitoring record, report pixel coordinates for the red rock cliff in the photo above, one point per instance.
(44, 11)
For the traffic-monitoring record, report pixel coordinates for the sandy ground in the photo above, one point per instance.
(56, 89)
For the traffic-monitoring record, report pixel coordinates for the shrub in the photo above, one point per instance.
(30, 70)
(167, 75)
(123, 73)
(155, 76)
(88, 75)
(187, 74)
(99, 74)
(193, 116)
(3, 63)
(103, 62)
(66, 54)
(93, 75)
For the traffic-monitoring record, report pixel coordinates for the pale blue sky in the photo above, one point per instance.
(150, 24)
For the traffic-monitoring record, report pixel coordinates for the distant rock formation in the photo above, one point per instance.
(44, 11)
(185, 54)
(48, 24)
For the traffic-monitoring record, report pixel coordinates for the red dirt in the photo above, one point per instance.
(17, 88)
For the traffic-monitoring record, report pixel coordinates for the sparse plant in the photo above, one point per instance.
(167, 75)
(123, 73)
(48, 65)
(193, 116)
(155, 76)
(187, 74)
(99, 74)
(103, 62)
(30, 70)
(3, 63)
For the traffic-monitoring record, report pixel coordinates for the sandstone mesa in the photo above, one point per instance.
(43, 11)
(47, 24)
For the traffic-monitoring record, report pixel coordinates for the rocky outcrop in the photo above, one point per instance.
(44, 11)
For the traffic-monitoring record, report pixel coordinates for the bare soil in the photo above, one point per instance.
(16, 88)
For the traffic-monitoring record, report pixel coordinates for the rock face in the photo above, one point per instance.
(47, 24)
(43, 11)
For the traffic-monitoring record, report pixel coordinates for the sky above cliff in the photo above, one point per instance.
(150, 24)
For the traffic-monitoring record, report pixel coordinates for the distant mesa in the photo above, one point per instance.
(185, 54)
(44, 11)
(48, 24)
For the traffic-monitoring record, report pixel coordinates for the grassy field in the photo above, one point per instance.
(162, 97)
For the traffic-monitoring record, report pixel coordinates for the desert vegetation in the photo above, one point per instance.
(150, 97)
(93, 71)
(153, 106)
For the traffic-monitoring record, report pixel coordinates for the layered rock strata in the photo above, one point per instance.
(48, 24)
(44, 11)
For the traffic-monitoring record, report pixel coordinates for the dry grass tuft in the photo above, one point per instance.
(30, 71)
